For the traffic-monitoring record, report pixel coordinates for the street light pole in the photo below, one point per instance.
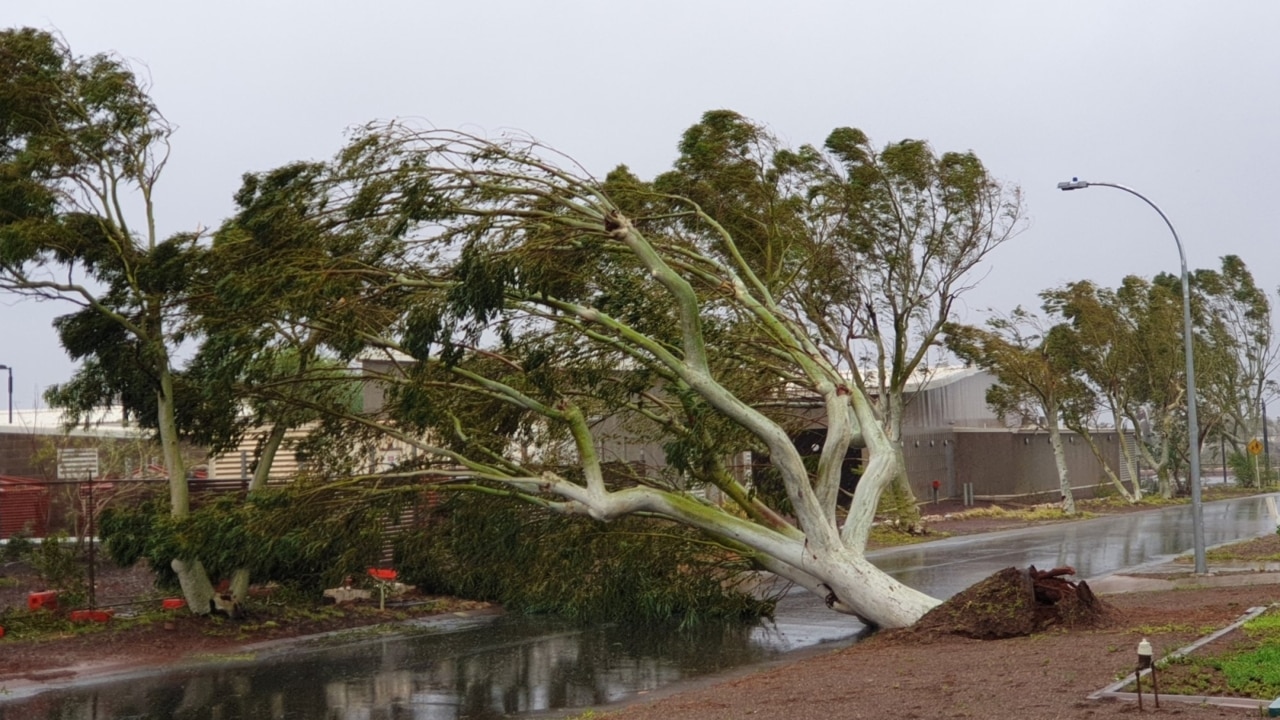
(6, 367)
(1193, 426)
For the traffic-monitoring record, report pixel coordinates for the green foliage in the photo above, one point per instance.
(59, 563)
(1254, 674)
(531, 560)
(309, 537)
(302, 536)
(142, 531)
(18, 546)
(1248, 470)
(1265, 627)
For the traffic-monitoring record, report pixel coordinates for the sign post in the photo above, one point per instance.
(1255, 449)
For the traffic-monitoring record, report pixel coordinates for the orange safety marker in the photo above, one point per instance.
(47, 600)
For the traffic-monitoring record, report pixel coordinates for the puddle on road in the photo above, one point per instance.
(507, 665)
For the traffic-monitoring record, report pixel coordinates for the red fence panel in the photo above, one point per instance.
(24, 507)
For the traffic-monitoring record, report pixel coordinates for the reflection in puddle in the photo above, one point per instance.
(501, 667)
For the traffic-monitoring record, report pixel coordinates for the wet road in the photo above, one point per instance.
(1093, 547)
(459, 669)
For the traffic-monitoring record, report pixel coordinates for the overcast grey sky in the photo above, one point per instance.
(1176, 99)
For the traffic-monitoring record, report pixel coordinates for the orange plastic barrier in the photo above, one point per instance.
(47, 600)
(99, 616)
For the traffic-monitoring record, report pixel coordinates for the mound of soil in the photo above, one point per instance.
(1014, 603)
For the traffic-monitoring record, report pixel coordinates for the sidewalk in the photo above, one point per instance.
(1179, 576)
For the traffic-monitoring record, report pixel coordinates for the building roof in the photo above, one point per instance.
(105, 422)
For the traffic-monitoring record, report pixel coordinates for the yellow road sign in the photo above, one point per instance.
(1255, 447)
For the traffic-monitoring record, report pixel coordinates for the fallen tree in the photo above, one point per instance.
(526, 321)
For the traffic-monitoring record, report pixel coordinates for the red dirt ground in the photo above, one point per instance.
(909, 675)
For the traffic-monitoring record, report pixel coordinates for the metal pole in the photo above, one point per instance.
(1266, 441)
(93, 560)
(1222, 451)
(10, 369)
(1193, 424)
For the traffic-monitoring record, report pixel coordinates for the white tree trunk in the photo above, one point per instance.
(196, 588)
(905, 510)
(192, 577)
(240, 578)
(1060, 458)
(871, 594)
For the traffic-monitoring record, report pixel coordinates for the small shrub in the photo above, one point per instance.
(1249, 470)
(58, 562)
(18, 546)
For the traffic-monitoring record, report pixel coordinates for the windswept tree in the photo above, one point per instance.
(264, 299)
(82, 147)
(1034, 377)
(1240, 353)
(870, 248)
(907, 230)
(524, 303)
(1127, 343)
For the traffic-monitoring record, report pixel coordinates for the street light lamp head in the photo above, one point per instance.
(1074, 184)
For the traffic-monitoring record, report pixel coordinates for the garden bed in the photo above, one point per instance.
(1243, 661)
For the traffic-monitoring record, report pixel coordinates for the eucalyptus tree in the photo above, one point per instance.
(870, 248)
(908, 229)
(1034, 377)
(82, 148)
(265, 297)
(262, 296)
(523, 303)
(1241, 355)
(1127, 343)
